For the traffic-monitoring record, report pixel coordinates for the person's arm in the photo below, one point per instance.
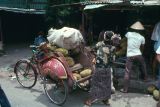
(158, 57)
(158, 54)
(142, 44)
(142, 48)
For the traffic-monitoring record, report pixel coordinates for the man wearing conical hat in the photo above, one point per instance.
(135, 42)
(137, 26)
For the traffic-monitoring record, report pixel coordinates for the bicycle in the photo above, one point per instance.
(27, 71)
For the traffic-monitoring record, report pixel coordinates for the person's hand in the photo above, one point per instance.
(94, 61)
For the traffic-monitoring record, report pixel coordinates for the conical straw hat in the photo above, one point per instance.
(137, 26)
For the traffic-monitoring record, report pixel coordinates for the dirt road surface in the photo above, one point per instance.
(35, 97)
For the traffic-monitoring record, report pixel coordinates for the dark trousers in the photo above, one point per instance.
(3, 99)
(129, 68)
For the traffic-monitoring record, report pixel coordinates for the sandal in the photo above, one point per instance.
(123, 91)
(88, 103)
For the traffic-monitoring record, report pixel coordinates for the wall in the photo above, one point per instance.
(17, 27)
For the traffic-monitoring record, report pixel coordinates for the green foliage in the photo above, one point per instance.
(62, 15)
(64, 11)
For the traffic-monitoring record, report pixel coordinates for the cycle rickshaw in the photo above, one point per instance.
(58, 77)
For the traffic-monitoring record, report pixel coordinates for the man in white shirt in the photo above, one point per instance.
(135, 42)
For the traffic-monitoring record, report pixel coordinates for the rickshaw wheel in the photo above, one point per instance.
(25, 73)
(56, 91)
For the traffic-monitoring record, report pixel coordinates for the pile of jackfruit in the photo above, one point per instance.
(63, 51)
(153, 90)
(77, 74)
(81, 74)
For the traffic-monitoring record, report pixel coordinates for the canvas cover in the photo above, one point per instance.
(68, 38)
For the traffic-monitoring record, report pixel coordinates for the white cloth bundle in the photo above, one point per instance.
(68, 38)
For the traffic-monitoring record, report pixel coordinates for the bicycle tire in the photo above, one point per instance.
(28, 72)
(50, 92)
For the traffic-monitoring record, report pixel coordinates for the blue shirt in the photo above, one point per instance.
(38, 40)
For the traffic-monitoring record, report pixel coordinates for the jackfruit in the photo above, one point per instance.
(63, 51)
(156, 94)
(77, 76)
(84, 84)
(70, 61)
(123, 47)
(85, 72)
(151, 88)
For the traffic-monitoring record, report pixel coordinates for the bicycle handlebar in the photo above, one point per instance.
(34, 46)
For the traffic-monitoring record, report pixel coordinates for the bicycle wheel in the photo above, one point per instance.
(56, 91)
(25, 73)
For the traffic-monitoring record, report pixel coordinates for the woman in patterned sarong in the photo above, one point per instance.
(101, 79)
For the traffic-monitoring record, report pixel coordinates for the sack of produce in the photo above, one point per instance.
(76, 76)
(68, 38)
(70, 61)
(85, 72)
(62, 50)
(156, 94)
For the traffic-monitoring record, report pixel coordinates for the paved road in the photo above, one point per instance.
(35, 97)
